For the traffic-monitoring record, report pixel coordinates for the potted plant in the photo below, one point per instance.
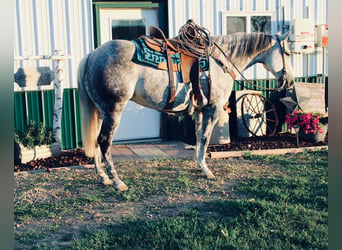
(36, 141)
(312, 126)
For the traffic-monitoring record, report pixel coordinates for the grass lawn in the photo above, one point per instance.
(255, 202)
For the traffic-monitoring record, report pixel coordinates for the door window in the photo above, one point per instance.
(128, 29)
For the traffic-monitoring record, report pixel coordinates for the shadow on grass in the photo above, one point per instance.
(233, 224)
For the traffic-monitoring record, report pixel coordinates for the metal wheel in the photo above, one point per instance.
(259, 115)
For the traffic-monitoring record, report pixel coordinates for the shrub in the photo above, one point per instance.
(34, 135)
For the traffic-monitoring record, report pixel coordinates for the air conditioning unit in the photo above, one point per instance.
(322, 35)
(302, 36)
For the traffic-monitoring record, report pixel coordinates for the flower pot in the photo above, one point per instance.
(39, 152)
(311, 137)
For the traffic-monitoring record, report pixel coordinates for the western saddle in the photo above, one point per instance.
(192, 44)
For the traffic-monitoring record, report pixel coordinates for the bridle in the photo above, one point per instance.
(282, 82)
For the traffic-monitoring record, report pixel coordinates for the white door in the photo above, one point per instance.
(137, 122)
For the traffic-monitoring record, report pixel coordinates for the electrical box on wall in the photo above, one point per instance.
(322, 35)
(302, 36)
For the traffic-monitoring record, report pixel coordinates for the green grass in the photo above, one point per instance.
(272, 202)
(241, 224)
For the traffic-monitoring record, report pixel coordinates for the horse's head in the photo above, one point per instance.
(277, 60)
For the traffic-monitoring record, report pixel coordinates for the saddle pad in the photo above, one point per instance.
(144, 55)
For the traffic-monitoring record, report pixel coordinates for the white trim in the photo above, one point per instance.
(17, 88)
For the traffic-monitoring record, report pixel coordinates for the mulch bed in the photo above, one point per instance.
(77, 157)
(265, 142)
(74, 157)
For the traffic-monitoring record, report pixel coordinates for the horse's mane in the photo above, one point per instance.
(243, 44)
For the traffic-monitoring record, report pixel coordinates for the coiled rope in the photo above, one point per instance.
(194, 39)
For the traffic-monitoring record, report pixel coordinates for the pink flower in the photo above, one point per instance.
(308, 123)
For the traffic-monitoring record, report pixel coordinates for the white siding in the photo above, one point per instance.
(43, 26)
(208, 13)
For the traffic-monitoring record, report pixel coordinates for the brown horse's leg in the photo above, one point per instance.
(108, 129)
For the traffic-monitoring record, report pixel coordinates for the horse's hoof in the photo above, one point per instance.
(208, 174)
(120, 186)
(106, 181)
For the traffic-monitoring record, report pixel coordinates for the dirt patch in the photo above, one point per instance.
(55, 208)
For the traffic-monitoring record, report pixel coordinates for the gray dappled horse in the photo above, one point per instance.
(108, 79)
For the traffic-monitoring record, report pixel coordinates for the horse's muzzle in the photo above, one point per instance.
(282, 84)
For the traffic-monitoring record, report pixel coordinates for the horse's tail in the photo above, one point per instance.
(89, 113)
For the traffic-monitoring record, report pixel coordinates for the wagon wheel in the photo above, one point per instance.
(255, 111)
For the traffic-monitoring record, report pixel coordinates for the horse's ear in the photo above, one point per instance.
(284, 36)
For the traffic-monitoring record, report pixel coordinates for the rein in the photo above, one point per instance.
(253, 84)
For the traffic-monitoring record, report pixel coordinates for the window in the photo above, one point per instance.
(235, 24)
(261, 24)
(128, 29)
(246, 22)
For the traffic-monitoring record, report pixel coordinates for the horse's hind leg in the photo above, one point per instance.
(98, 161)
(98, 167)
(109, 126)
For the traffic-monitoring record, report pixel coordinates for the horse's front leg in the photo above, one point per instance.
(205, 122)
(198, 127)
